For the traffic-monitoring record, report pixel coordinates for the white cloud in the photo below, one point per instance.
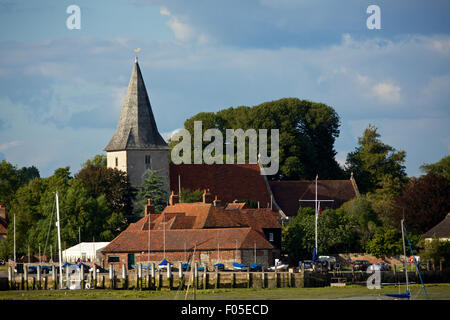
(387, 92)
(183, 31)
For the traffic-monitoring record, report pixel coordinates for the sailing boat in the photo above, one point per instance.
(407, 293)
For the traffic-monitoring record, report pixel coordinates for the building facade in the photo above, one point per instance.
(136, 145)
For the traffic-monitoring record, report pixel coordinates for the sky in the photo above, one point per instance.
(61, 89)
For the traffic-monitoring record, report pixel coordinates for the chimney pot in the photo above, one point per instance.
(173, 198)
(150, 207)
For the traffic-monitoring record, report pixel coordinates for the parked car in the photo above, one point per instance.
(328, 261)
(360, 265)
(375, 267)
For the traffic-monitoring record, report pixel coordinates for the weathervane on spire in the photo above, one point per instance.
(136, 51)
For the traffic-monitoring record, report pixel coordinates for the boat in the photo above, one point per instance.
(239, 267)
(407, 293)
(164, 264)
(256, 267)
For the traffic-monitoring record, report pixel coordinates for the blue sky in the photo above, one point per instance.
(61, 90)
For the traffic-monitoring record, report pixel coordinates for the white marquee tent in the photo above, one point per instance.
(84, 251)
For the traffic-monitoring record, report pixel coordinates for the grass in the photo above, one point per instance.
(435, 291)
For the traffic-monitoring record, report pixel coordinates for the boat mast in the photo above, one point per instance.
(404, 256)
(315, 203)
(59, 241)
(14, 240)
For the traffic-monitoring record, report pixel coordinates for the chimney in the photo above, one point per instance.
(217, 202)
(150, 207)
(3, 212)
(207, 196)
(173, 199)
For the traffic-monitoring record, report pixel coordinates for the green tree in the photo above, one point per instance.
(436, 251)
(442, 167)
(385, 242)
(98, 160)
(152, 187)
(375, 164)
(336, 234)
(307, 134)
(190, 196)
(363, 218)
(112, 183)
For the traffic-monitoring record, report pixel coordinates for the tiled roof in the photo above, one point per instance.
(199, 223)
(288, 193)
(204, 239)
(442, 229)
(228, 181)
(3, 225)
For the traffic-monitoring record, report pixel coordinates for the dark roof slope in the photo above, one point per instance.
(137, 126)
(228, 181)
(288, 193)
(442, 229)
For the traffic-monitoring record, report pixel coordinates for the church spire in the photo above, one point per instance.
(137, 128)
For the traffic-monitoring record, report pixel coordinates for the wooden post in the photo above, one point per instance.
(45, 282)
(67, 276)
(248, 277)
(196, 275)
(217, 284)
(181, 276)
(94, 276)
(54, 277)
(169, 276)
(124, 277)
(33, 282)
(153, 283)
(38, 275)
(81, 276)
(205, 279)
(10, 278)
(139, 277)
(233, 280)
(263, 278)
(159, 279)
(25, 273)
(111, 276)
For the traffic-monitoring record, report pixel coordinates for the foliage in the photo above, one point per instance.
(35, 211)
(190, 196)
(374, 164)
(424, 202)
(98, 160)
(336, 234)
(152, 187)
(364, 218)
(12, 178)
(385, 242)
(442, 167)
(307, 134)
(112, 183)
(436, 251)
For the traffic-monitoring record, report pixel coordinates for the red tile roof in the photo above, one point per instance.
(288, 193)
(198, 223)
(204, 239)
(228, 181)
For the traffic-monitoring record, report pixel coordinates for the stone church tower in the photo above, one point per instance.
(137, 146)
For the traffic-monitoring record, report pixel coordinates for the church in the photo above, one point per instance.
(224, 230)
(137, 146)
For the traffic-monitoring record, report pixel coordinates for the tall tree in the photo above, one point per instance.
(112, 183)
(375, 164)
(423, 202)
(307, 133)
(152, 187)
(442, 167)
